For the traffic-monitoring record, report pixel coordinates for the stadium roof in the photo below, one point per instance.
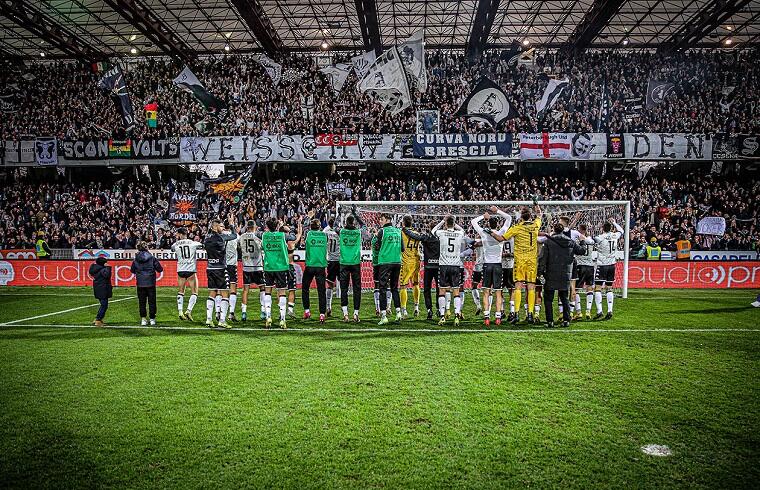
(94, 29)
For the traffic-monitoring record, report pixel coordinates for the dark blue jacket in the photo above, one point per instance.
(144, 267)
(101, 281)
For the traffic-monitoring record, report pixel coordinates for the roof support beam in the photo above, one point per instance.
(592, 24)
(481, 28)
(712, 15)
(43, 27)
(150, 26)
(369, 25)
(258, 22)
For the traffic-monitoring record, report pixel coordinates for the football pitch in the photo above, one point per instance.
(413, 405)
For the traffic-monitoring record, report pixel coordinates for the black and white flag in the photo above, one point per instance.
(551, 94)
(187, 81)
(487, 103)
(604, 109)
(386, 82)
(412, 52)
(337, 75)
(114, 84)
(657, 90)
(362, 63)
(46, 150)
(273, 69)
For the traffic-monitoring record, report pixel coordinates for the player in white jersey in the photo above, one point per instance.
(187, 266)
(586, 264)
(230, 262)
(333, 264)
(575, 299)
(491, 254)
(252, 256)
(449, 266)
(606, 247)
(508, 274)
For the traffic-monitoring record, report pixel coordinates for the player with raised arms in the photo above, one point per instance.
(216, 272)
(606, 247)
(491, 251)
(187, 266)
(316, 262)
(410, 269)
(231, 261)
(449, 266)
(430, 254)
(333, 264)
(525, 234)
(252, 257)
(586, 269)
(276, 268)
(388, 246)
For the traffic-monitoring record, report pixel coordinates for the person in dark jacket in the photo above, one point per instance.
(556, 266)
(101, 286)
(144, 267)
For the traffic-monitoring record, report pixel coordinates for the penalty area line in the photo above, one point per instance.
(400, 330)
(62, 311)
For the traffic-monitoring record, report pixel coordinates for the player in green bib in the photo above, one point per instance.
(350, 240)
(388, 246)
(275, 269)
(316, 262)
(375, 277)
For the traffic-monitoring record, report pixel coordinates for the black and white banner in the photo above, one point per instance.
(668, 146)
(273, 69)
(362, 62)
(551, 94)
(156, 148)
(46, 150)
(284, 148)
(748, 145)
(386, 82)
(114, 85)
(487, 103)
(9, 99)
(337, 75)
(657, 91)
(463, 145)
(412, 52)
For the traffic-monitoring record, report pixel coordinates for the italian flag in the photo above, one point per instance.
(151, 114)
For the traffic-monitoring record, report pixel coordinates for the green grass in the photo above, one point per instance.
(195, 408)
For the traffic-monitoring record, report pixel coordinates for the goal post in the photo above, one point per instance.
(425, 213)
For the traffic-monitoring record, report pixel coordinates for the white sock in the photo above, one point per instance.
(233, 302)
(598, 301)
(263, 295)
(209, 310)
(291, 307)
(345, 310)
(578, 302)
(388, 298)
(498, 314)
(458, 304)
(180, 302)
(442, 305)
(461, 296)
(561, 308)
(191, 302)
(329, 293)
(448, 300)
(243, 308)
(338, 292)
(511, 306)
(476, 296)
(283, 304)
(377, 299)
(610, 300)
(218, 302)
(537, 309)
(225, 308)
(356, 312)
(589, 300)
(268, 305)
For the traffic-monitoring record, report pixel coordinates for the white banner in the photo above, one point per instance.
(726, 255)
(20, 152)
(46, 150)
(283, 148)
(712, 225)
(386, 82)
(545, 146)
(667, 146)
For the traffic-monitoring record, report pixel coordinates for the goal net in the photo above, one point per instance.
(426, 214)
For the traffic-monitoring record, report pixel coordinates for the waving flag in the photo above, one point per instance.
(551, 94)
(151, 114)
(337, 75)
(114, 84)
(187, 81)
(488, 103)
(386, 82)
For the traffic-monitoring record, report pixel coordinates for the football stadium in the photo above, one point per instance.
(379, 244)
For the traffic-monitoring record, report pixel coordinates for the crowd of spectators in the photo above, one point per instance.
(715, 91)
(120, 213)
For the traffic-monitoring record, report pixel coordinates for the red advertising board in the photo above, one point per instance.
(655, 275)
(18, 254)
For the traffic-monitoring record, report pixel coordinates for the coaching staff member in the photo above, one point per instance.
(556, 266)
(144, 267)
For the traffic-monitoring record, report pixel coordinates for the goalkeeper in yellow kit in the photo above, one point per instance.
(410, 269)
(525, 234)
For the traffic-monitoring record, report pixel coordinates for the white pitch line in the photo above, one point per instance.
(63, 311)
(404, 330)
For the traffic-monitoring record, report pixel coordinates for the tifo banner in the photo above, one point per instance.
(92, 151)
(46, 151)
(668, 146)
(183, 208)
(19, 152)
(748, 146)
(462, 145)
(283, 148)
